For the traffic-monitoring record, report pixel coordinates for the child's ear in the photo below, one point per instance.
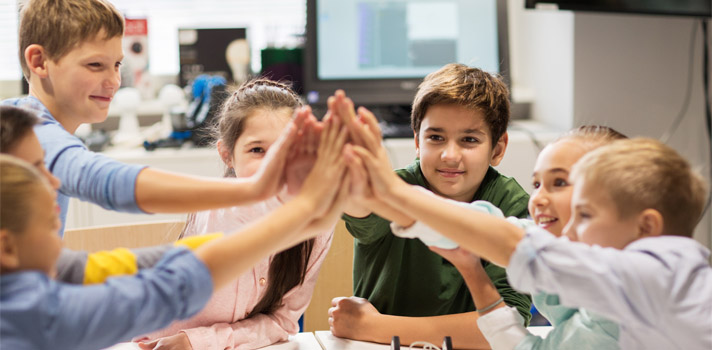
(36, 59)
(499, 149)
(224, 153)
(9, 257)
(417, 144)
(650, 223)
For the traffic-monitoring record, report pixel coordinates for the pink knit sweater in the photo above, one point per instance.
(222, 324)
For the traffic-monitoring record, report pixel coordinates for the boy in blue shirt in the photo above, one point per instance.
(70, 54)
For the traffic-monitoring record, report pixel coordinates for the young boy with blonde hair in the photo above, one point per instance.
(631, 258)
(70, 53)
(459, 119)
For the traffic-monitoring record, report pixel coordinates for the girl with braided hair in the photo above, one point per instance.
(264, 305)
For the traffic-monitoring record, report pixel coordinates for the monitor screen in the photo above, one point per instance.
(367, 39)
(380, 50)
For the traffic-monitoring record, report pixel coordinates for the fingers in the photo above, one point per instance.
(357, 172)
(367, 117)
(331, 143)
(335, 301)
(147, 346)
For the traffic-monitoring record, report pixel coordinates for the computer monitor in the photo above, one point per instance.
(378, 51)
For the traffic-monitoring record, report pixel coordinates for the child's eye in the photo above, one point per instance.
(95, 65)
(256, 150)
(561, 183)
(117, 65)
(536, 184)
(435, 138)
(470, 139)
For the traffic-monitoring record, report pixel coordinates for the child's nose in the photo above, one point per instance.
(539, 197)
(451, 153)
(113, 80)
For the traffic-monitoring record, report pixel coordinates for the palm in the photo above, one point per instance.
(297, 170)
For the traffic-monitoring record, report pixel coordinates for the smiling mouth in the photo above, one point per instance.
(450, 173)
(547, 221)
(101, 98)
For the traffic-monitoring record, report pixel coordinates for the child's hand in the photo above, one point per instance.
(359, 188)
(460, 258)
(342, 107)
(324, 180)
(351, 317)
(303, 153)
(269, 179)
(374, 156)
(328, 221)
(174, 342)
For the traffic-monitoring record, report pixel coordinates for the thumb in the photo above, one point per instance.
(147, 346)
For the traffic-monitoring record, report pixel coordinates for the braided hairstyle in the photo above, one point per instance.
(288, 268)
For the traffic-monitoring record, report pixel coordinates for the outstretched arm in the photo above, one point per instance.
(362, 202)
(158, 191)
(320, 200)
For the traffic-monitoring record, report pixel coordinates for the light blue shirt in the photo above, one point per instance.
(573, 328)
(658, 289)
(40, 313)
(84, 174)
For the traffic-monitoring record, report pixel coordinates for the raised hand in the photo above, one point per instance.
(374, 156)
(324, 181)
(302, 155)
(268, 179)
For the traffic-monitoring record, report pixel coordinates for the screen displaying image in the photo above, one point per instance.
(367, 39)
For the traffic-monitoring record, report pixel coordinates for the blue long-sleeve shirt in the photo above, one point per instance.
(84, 174)
(40, 313)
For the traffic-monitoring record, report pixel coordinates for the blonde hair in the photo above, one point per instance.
(60, 25)
(590, 137)
(468, 87)
(644, 173)
(18, 181)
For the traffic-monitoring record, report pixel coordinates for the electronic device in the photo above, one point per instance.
(380, 51)
(697, 8)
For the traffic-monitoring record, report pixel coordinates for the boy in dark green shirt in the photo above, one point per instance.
(460, 115)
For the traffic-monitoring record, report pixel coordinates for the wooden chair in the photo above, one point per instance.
(92, 239)
(334, 278)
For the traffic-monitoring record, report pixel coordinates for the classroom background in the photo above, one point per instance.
(641, 74)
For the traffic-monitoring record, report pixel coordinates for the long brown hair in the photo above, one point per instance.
(288, 268)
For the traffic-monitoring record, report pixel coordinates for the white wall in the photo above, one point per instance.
(631, 73)
(541, 51)
(625, 71)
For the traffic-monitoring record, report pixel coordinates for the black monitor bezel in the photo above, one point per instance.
(603, 8)
(380, 92)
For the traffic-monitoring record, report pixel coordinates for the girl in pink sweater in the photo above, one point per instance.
(264, 305)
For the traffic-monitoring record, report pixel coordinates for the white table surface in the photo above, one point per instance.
(330, 342)
(300, 341)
